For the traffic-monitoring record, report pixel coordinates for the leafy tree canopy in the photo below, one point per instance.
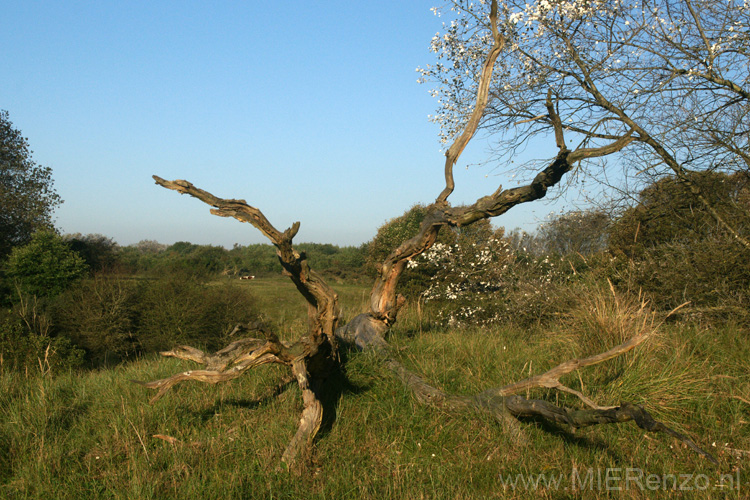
(27, 196)
(667, 212)
(100, 252)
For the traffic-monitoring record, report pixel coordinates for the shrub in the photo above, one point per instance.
(576, 232)
(100, 316)
(45, 266)
(668, 212)
(179, 309)
(26, 350)
(99, 252)
(672, 248)
(486, 281)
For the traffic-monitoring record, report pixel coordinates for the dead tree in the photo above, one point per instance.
(314, 355)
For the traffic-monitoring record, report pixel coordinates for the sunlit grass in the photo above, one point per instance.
(94, 434)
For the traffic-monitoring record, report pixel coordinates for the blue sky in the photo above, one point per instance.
(310, 111)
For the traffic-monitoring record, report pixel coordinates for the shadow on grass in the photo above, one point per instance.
(271, 393)
(333, 389)
(588, 443)
(329, 391)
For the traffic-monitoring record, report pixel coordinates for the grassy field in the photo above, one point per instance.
(94, 434)
(282, 306)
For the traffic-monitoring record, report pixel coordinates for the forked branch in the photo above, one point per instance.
(265, 354)
(323, 311)
(384, 301)
(313, 354)
(312, 349)
(505, 405)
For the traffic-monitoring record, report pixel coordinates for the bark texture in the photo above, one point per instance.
(313, 357)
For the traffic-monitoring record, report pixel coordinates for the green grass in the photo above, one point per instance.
(91, 434)
(281, 305)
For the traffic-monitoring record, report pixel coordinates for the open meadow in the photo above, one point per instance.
(93, 434)
(605, 353)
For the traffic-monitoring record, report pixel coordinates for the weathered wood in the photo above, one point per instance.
(312, 415)
(258, 358)
(314, 355)
(501, 403)
(303, 356)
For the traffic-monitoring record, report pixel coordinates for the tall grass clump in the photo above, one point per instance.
(663, 371)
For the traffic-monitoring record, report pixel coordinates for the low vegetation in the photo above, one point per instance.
(394, 387)
(70, 431)
(91, 434)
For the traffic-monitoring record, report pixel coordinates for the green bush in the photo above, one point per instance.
(256, 259)
(335, 262)
(45, 266)
(25, 350)
(99, 316)
(668, 212)
(180, 309)
(672, 248)
(115, 318)
(391, 234)
(482, 279)
(100, 252)
(581, 232)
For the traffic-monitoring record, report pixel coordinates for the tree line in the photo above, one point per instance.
(97, 302)
(83, 300)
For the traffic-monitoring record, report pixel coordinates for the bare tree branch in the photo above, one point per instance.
(312, 415)
(314, 354)
(261, 356)
(323, 311)
(451, 156)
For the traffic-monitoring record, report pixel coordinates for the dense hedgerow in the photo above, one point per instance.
(671, 247)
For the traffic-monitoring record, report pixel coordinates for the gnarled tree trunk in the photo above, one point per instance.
(313, 357)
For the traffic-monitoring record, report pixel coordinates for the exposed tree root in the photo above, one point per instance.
(503, 405)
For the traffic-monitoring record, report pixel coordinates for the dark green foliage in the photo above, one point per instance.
(668, 212)
(334, 261)
(142, 257)
(100, 252)
(200, 260)
(23, 348)
(27, 198)
(182, 248)
(100, 316)
(153, 258)
(114, 318)
(204, 261)
(180, 309)
(256, 259)
(577, 232)
(147, 297)
(331, 260)
(45, 266)
(672, 248)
